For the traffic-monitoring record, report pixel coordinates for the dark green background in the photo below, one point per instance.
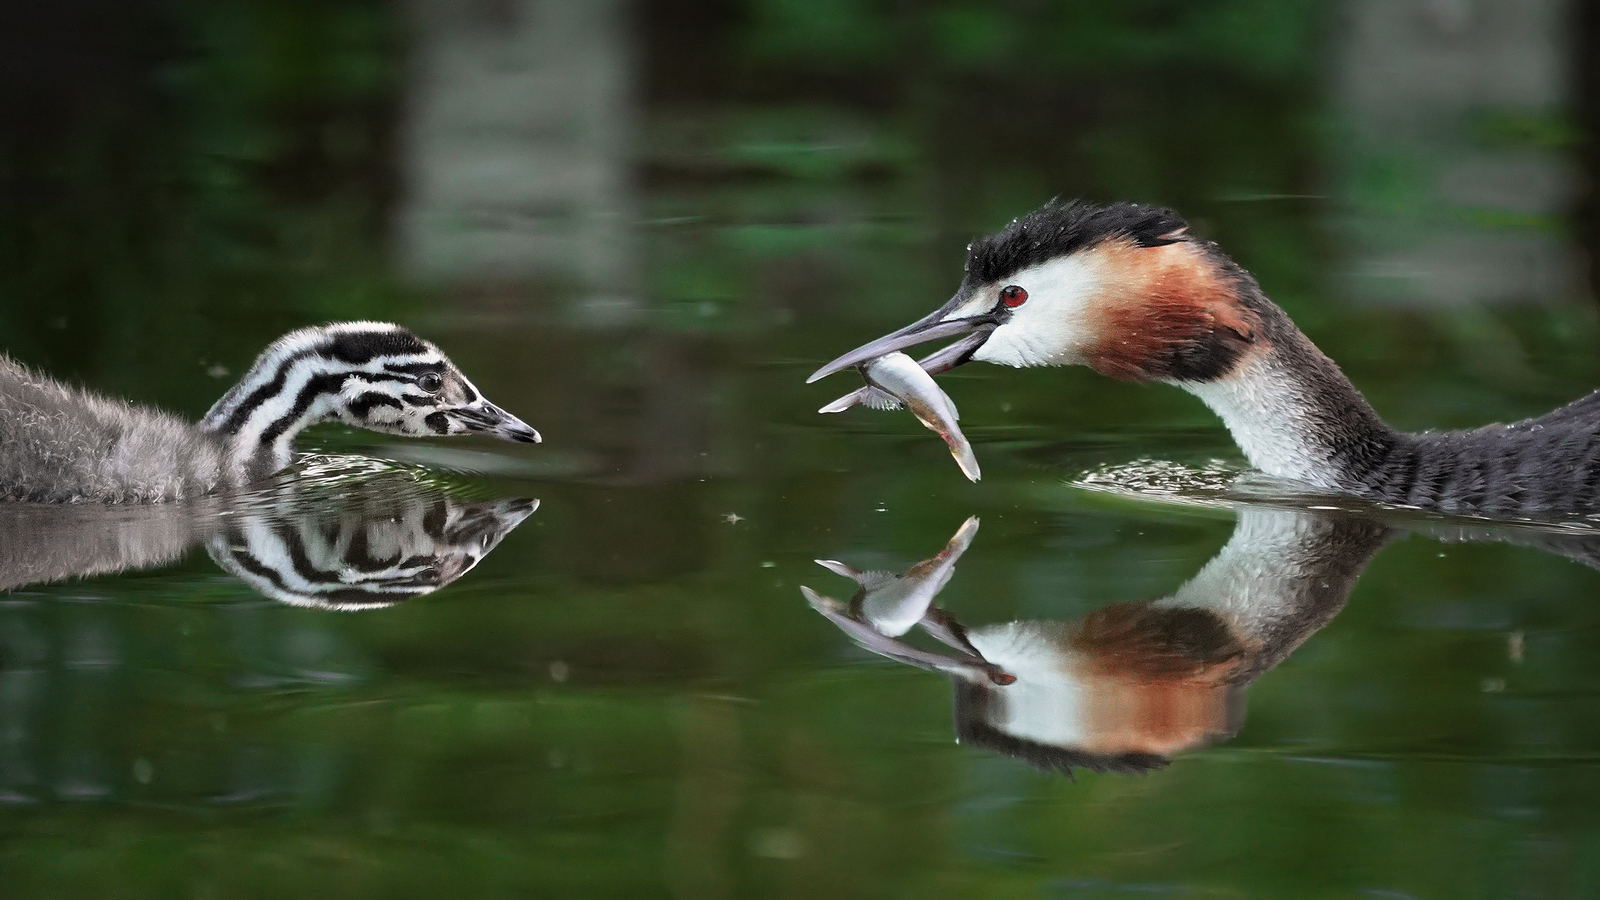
(184, 181)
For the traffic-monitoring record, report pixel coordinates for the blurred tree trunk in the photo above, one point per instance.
(1585, 50)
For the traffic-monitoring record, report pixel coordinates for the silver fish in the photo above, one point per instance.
(937, 362)
(896, 378)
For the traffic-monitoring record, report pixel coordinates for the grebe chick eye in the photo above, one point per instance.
(60, 444)
(1126, 290)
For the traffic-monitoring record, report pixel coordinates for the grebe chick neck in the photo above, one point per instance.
(1127, 291)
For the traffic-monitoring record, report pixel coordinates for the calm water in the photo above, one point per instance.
(629, 696)
(587, 668)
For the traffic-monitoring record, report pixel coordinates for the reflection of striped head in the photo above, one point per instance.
(365, 554)
(368, 374)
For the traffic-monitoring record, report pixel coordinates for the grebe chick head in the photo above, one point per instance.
(410, 388)
(1121, 288)
(372, 375)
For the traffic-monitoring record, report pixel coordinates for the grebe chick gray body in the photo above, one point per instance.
(1127, 291)
(63, 444)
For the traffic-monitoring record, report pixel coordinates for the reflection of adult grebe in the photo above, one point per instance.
(1126, 290)
(363, 543)
(59, 444)
(1127, 686)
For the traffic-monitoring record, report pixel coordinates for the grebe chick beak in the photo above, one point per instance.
(929, 328)
(489, 420)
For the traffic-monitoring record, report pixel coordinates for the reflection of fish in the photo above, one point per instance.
(896, 378)
(886, 606)
(893, 603)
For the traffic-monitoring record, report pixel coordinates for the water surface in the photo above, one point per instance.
(630, 696)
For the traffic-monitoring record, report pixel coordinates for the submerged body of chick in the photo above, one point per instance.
(62, 444)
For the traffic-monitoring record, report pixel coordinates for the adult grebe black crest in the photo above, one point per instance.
(1127, 291)
(63, 444)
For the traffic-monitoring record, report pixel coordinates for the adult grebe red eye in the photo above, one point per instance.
(1013, 296)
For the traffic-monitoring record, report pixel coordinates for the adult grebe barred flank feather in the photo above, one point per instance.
(62, 444)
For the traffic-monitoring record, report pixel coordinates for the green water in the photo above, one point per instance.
(629, 696)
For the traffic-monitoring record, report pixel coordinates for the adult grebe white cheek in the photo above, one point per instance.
(1050, 325)
(1040, 340)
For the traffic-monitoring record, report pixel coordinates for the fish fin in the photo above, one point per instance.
(878, 398)
(839, 568)
(845, 402)
(825, 605)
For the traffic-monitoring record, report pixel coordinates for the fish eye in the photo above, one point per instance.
(431, 382)
(1013, 296)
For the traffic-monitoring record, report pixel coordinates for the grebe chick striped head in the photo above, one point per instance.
(1121, 288)
(372, 375)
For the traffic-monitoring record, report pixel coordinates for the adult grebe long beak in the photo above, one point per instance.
(930, 328)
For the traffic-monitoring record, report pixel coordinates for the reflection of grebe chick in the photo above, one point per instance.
(1125, 290)
(326, 540)
(61, 444)
(1127, 686)
(390, 543)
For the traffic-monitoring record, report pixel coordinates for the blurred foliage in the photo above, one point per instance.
(234, 172)
(948, 119)
(1029, 38)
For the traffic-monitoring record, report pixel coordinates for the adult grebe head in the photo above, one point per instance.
(1121, 288)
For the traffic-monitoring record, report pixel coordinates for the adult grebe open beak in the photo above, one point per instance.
(974, 330)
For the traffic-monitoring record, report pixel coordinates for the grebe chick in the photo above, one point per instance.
(62, 444)
(1127, 291)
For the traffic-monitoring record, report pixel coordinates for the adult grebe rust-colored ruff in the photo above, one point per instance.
(1127, 291)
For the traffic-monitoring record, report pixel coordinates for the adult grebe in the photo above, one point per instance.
(61, 444)
(1125, 290)
(1127, 686)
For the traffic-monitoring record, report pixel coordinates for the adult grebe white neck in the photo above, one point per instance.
(1296, 416)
